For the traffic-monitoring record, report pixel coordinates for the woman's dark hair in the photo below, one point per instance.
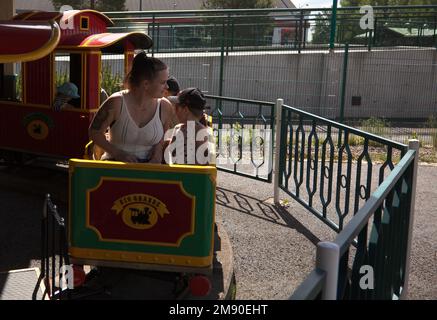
(143, 68)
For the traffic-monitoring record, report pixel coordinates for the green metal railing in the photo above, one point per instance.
(243, 143)
(382, 228)
(316, 164)
(304, 28)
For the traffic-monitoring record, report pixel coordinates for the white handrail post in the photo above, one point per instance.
(278, 113)
(413, 144)
(328, 260)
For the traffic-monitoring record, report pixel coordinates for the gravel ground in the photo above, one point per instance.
(273, 250)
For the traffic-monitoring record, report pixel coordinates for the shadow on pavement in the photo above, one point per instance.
(262, 210)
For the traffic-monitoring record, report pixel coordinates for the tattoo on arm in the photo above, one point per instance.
(101, 116)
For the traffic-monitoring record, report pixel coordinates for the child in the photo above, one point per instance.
(189, 143)
(64, 95)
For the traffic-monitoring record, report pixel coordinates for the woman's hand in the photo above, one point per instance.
(125, 157)
(157, 153)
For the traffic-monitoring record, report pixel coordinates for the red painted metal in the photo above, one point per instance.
(19, 37)
(38, 81)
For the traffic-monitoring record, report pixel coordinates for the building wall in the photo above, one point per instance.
(391, 84)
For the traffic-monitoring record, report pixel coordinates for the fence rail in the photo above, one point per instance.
(383, 229)
(298, 28)
(243, 143)
(324, 164)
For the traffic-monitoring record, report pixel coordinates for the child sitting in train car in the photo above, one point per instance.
(65, 93)
(190, 142)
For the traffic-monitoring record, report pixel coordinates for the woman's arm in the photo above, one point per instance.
(106, 115)
(166, 119)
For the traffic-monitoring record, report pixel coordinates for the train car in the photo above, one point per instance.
(29, 123)
(134, 231)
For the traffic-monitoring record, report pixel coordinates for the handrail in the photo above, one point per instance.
(354, 227)
(348, 128)
(228, 11)
(312, 287)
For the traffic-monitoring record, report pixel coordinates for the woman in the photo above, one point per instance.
(137, 117)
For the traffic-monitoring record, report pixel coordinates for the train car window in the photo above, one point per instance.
(76, 76)
(68, 68)
(10, 82)
(84, 23)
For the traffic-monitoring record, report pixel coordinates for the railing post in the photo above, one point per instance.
(276, 171)
(413, 144)
(343, 82)
(328, 259)
(333, 25)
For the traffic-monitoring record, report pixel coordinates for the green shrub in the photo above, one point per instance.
(376, 126)
(61, 78)
(111, 83)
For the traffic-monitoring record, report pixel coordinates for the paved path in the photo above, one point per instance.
(273, 250)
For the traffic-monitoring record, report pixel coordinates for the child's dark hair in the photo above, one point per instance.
(143, 68)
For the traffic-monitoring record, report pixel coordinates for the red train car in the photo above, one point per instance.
(30, 124)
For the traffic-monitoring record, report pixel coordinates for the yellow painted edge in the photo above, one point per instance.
(88, 23)
(143, 166)
(84, 76)
(85, 45)
(23, 84)
(127, 256)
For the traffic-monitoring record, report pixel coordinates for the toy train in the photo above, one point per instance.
(31, 125)
(125, 220)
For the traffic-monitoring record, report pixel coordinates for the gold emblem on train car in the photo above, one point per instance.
(140, 211)
(38, 129)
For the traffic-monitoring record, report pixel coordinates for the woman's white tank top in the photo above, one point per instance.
(126, 135)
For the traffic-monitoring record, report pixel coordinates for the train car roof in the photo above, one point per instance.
(25, 41)
(77, 39)
(60, 16)
(114, 41)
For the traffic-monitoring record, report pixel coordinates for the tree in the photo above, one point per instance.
(322, 29)
(237, 4)
(359, 3)
(244, 30)
(99, 5)
(348, 28)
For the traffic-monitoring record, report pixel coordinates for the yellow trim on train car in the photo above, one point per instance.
(87, 23)
(127, 256)
(23, 83)
(143, 166)
(84, 91)
(166, 244)
(41, 52)
(127, 34)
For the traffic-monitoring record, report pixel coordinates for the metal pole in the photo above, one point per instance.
(141, 5)
(343, 82)
(276, 171)
(413, 144)
(333, 24)
(222, 61)
(328, 259)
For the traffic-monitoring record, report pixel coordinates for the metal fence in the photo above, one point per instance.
(379, 80)
(298, 28)
(376, 241)
(330, 168)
